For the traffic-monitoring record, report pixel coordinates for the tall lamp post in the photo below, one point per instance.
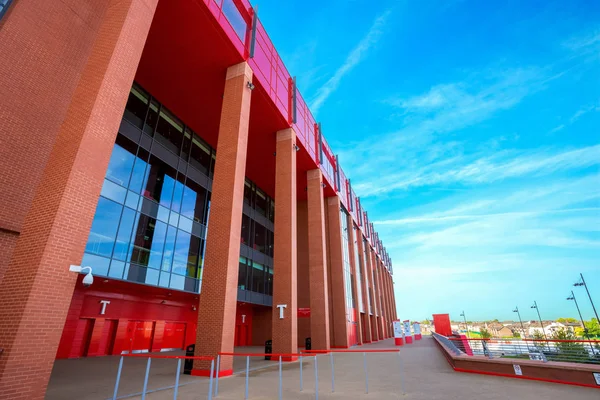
(582, 283)
(520, 320)
(540, 317)
(467, 326)
(585, 331)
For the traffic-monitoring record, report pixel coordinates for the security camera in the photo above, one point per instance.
(88, 279)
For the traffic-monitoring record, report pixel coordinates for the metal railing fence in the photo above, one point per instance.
(575, 351)
(303, 358)
(177, 373)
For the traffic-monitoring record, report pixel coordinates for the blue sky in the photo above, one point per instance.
(471, 132)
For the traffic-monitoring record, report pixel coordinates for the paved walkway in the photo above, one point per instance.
(420, 371)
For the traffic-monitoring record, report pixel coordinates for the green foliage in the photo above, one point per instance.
(569, 351)
(593, 329)
(484, 333)
(564, 320)
(538, 335)
(516, 334)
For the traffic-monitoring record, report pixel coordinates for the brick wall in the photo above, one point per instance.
(261, 325)
(36, 288)
(303, 271)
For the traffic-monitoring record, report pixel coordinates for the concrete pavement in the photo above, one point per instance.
(420, 370)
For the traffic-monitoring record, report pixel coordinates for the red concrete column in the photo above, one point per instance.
(336, 267)
(37, 286)
(285, 258)
(354, 265)
(217, 304)
(365, 290)
(319, 293)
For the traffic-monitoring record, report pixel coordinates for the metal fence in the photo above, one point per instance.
(576, 351)
(338, 371)
(178, 372)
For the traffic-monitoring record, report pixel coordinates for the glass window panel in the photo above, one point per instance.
(246, 230)
(116, 269)
(163, 214)
(213, 161)
(169, 131)
(137, 105)
(174, 219)
(98, 264)
(242, 272)
(121, 161)
(183, 248)
(123, 237)
(270, 243)
(269, 281)
(104, 227)
(248, 192)
(272, 210)
(187, 144)
(152, 276)
(235, 18)
(112, 191)
(165, 277)
(177, 282)
(260, 238)
(178, 193)
(132, 200)
(169, 248)
(139, 176)
(193, 257)
(148, 242)
(151, 117)
(261, 202)
(191, 285)
(200, 155)
(161, 182)
(185, 224)
(194, 201)
(258, 283)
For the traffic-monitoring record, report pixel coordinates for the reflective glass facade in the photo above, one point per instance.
(151, 220)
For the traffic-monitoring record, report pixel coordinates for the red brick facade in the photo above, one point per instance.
(216, 315)
(67, 86)
(36, 289)
(285, 316)
(317, 269)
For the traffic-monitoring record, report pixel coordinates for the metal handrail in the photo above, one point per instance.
(177, 374)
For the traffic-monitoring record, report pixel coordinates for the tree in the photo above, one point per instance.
(566, 320)
(485, 334)
(569, 351)
(516, 334)
(593, 327)
(540, 339)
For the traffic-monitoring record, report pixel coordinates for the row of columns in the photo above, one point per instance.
(326, 286)
(38, 287)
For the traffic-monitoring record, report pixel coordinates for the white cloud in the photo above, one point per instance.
(485, 169)
(354, 58)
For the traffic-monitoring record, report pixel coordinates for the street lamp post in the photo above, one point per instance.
(520, 320)
(540, 317)
(585, 331)
(467, 326)
(582, 283)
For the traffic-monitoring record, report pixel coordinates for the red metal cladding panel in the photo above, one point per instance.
(441, 323)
